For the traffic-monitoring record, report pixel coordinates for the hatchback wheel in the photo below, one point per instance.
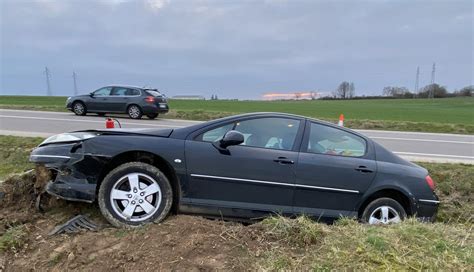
(79, 108)
(134, 194)
(134, 112)
(383, 211)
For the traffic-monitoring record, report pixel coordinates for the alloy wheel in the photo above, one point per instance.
(134, 112)
(78, 108)
(135, 197)
(384, 215)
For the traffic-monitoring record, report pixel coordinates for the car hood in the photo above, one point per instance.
(133, 131)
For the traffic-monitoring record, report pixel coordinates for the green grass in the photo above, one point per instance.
(455, 188)
(13, 239)
(302, 244)
(14, 153)
(451, 115)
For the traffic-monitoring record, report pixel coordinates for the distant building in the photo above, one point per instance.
(189, 97)
(304, 95)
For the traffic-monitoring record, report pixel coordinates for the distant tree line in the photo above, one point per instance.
(436, 90)
(346, 90)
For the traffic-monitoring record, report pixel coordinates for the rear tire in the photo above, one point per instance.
(383, 211)
(152, 115)
(79, 108)
(134, 194)
(134, 112)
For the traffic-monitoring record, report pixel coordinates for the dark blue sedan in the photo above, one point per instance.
(242, 167)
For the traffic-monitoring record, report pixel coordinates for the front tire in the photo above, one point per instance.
(79, 108)
(135, 194)
(135, 112)
(383, 211)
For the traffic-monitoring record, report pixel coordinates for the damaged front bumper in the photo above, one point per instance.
(74, 173)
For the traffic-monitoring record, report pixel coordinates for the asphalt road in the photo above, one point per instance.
(415, 146)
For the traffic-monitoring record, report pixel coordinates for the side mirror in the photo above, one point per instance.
(91, 94)
(232, 137)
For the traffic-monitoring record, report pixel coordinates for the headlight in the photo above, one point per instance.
(69, 137)
(69, 98)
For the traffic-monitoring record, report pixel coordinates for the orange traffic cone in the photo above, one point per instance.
(341, 120)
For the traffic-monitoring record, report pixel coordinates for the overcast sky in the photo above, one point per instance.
(234, 48)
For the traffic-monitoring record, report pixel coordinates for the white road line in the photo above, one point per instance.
(433, 155)
(420, 140)
(36, 112)
(85, 121)
(71, 114)
(411, 132)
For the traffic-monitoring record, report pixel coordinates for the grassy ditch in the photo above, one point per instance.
(448, 115)
(301, 244)
(14, 154)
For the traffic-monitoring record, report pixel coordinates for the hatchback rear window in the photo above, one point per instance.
(153, 92)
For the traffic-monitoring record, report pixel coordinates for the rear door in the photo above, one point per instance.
(118, 99)
(335, 168)
(257, 176)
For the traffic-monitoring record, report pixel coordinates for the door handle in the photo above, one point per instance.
(363, 169)
(284, 160)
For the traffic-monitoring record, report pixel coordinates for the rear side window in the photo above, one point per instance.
(119, 91)
(132, 92)
(332, 141)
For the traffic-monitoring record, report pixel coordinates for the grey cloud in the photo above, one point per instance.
(235, 48)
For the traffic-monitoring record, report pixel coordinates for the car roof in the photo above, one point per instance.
(130, 86)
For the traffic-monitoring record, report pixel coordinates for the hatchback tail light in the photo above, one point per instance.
(150, 99)
(430, 182)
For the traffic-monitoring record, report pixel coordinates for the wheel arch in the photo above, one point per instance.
(149, 158)
(397, 194)
(80, 101)
(133, 104)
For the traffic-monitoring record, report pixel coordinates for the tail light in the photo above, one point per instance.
(150, 99)
(430, 182)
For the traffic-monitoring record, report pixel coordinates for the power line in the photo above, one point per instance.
(48, 84)
(75, 83)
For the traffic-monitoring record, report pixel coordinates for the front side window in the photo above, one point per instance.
(332, 141)
(103, 92)
(216, 134)
(274, 133)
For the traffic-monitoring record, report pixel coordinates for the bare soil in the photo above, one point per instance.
(181, 242)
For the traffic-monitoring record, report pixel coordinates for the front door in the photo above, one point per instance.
(257, 176)
(335, 168)
(99, 99)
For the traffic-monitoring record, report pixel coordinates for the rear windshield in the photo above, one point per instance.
(153, 92)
